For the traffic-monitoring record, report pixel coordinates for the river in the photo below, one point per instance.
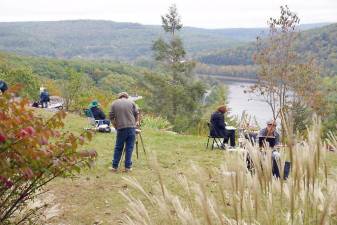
(238, 101)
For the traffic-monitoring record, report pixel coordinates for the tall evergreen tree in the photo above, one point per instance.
(179, 91)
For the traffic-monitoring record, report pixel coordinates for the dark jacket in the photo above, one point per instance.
(3, 86)
(97, 113)
(44, 96)
(263, 132)
(217, 123)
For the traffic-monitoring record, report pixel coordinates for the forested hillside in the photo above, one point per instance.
(106, 39)
(319, 44)
(107, 75)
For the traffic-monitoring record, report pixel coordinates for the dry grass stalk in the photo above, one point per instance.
(247, 197)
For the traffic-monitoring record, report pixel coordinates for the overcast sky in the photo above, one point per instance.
(197, 13)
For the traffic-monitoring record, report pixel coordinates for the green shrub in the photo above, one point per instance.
(156, 122)
(33, 152)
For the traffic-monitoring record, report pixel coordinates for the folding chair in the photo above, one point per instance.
(215, 139)
(90, 116)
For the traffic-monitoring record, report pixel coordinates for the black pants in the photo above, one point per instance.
(229, 136)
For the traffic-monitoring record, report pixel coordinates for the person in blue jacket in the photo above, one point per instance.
(44, 98)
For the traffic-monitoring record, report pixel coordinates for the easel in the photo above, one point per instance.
(139, 135)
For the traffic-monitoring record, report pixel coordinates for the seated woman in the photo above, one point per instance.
(218, 126)
(97, 113)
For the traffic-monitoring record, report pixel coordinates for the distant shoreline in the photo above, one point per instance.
(228, 78)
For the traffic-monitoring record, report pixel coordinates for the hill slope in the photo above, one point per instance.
(106, 39)
(320, 44)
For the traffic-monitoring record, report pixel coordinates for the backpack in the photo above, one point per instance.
(35, 105)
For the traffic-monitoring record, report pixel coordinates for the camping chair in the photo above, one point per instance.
(90, 116)
(215, 139)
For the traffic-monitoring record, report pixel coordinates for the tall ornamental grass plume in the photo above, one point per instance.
(33, 152)
(236, 194)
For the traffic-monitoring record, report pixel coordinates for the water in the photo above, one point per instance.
(253, 105)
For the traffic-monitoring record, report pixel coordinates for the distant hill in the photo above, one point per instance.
(106, 39)
(319, 43)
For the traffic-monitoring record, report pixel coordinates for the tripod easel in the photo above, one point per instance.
(139, 135)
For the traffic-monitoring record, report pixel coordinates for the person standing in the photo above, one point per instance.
(44, 98)
(124, 116)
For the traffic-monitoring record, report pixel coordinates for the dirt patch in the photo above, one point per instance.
(50, 208)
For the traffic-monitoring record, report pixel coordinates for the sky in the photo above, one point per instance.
(196, 13)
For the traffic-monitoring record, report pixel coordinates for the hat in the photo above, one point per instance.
(94, 104)
(222, 109)
(123, 94)
(271, 122)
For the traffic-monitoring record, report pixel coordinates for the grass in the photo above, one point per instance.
(93, 197)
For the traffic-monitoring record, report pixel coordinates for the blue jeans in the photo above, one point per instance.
(44, 104)
(125, 136)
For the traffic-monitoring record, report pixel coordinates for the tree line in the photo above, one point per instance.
(319, 44)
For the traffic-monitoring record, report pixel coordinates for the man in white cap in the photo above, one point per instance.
(124, 115)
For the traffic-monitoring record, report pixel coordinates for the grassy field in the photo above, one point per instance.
(93, 197)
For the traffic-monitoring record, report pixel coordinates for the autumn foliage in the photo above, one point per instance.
(33, 151)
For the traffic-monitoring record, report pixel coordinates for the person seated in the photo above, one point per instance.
(3, 86)
(97, 113)
(44, 98)
(269, 134)
(218, 126)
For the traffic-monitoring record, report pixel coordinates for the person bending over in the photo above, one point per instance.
(218, 126)
(124, 115)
